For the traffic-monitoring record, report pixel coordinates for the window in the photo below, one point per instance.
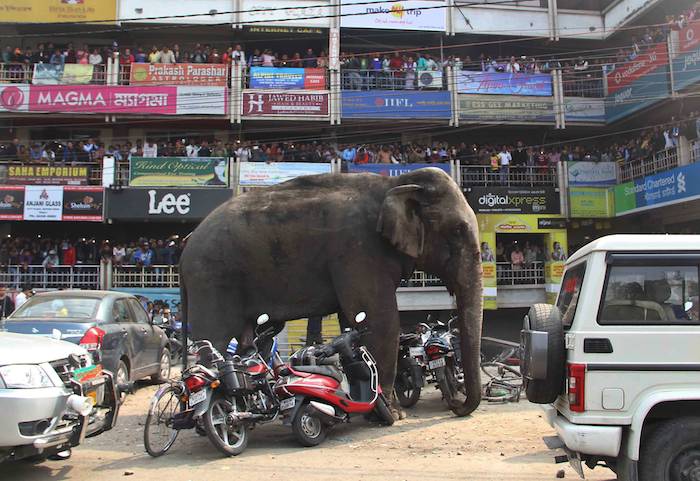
(651, 295)
(569, 293)
(139, 312)
(120, 311)
(52, 307)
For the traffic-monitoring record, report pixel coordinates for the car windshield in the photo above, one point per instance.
(58, 307)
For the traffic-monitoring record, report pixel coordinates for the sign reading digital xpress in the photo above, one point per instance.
(513, 200)
(396, 104)
(164, 204)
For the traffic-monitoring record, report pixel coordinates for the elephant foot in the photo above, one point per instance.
(398, 412)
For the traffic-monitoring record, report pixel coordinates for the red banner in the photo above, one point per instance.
(267, 104)
(689, 37)
(211, 74)
(626, 73)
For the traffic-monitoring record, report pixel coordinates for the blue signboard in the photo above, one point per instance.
(641, 93)
(393, 170)
(497, 83)
(396, 104)
(686, 69)
(287, 78)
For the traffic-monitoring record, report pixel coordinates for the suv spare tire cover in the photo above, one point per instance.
(546, 318)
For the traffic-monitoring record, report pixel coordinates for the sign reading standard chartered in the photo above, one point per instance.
(513, 200)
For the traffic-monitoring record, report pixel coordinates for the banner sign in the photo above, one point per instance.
(118, 99)
(393, 170)
(405, 15)
(642, 93)
(514, 223)
(164, 204)
(264, 174)
(487, 108)
(623, 75)
(178, 171)
(47, 175)
(396, 104)
(51, 203)
(67, 74)
(270, 104)
(287, 78)
(304, 13)
(676, 185)
(211, 74)
(498, 83)
(592, 173)
(591, 202)
(584, 110)
(11, 202)
(689, 37)
(487, 248)
(686, 65)
(519, 200)
(52, 11)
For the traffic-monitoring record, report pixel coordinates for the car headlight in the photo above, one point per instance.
(24, 376)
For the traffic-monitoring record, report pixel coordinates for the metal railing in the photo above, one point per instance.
(694, 151)
(60, 276)
(476, 175)
(588, 83)
(422, 279)
(24, 73)
(139, 276)
(508, 274)
(658, 162)
(366, 79)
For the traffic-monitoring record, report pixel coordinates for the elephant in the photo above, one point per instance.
(327, 243)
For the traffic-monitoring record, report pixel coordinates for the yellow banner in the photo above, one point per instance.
(556, 247)
(53, 11)
(516, 223)
(488, 266)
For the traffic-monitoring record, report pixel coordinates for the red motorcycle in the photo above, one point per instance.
(324, 385)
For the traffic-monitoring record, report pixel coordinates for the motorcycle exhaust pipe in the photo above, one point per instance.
(80, 404)
(325, 413)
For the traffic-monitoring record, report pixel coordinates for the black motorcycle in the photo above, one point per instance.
(409, 370)
(444, 360)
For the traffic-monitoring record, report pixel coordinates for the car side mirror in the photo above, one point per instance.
(262, 319)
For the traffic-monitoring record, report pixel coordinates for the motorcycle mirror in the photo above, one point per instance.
(361, 316)
(263, 319)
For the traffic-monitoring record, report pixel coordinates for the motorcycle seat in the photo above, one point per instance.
(330, 371)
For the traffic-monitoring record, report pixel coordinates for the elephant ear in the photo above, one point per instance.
(399, 219)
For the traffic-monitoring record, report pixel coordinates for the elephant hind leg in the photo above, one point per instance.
(214, 316)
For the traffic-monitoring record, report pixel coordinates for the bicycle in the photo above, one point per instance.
(505, 383)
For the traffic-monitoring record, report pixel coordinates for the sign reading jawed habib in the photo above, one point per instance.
(514, 200)
(269, 104)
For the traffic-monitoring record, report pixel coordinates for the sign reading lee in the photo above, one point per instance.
(178, 171)
(513, 200)
(287, 104)
(211, 74)
(47, 175)
(51, 203)
(163, 204)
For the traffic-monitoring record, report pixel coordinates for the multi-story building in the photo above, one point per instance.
(580, 92)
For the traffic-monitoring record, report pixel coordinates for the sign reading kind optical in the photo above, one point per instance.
(402, 15)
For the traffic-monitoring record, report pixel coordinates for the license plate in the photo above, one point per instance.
(436, 363)
(288, 403)
(416, 351)
(197, 397)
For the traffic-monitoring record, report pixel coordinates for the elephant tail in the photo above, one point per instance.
(183, 320)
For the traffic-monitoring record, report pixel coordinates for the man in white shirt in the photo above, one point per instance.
(192, 149)
(243, 153)
(513, 66)
(150, 149)
(504, 159)
(238, 55)
(23, 296)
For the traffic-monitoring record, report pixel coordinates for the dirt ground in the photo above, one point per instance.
(497, 443)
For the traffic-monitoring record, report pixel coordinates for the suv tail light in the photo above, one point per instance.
(92, 339)
(577, 387)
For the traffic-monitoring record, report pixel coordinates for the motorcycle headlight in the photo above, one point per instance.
(24, 376)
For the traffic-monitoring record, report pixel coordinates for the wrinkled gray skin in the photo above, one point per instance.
(320, 244)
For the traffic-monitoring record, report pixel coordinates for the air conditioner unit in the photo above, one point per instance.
(431, 79)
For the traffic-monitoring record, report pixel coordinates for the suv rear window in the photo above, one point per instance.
(568, 295)
(650, 295)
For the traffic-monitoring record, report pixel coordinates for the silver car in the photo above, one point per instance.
(51, 396)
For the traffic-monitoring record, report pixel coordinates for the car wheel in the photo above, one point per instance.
(122, 378)
(545, 318)
(163, 367)
(672, 452)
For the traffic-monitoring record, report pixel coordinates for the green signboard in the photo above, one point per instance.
(625, 197)
(590, 202)
(178, 172)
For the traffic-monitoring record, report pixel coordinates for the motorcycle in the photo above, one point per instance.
(444, 360)
(409, 370)
(324, 385)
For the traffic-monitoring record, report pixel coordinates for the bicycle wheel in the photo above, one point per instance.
(158, 433)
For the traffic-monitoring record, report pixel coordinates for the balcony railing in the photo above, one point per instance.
(153, 276)
(508, 274)
(475, 175)
(57, 277)
(393, 80)
(694, 151)
(24, 73)
(587, 83)
(659, 162)
(422, 279)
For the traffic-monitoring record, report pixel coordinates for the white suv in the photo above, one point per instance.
(617, 360)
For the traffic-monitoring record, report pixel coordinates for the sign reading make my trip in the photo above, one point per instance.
(676, 185)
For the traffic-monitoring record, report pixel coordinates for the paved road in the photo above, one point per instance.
(498, 443)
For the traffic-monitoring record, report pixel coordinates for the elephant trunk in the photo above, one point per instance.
(468, 294)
